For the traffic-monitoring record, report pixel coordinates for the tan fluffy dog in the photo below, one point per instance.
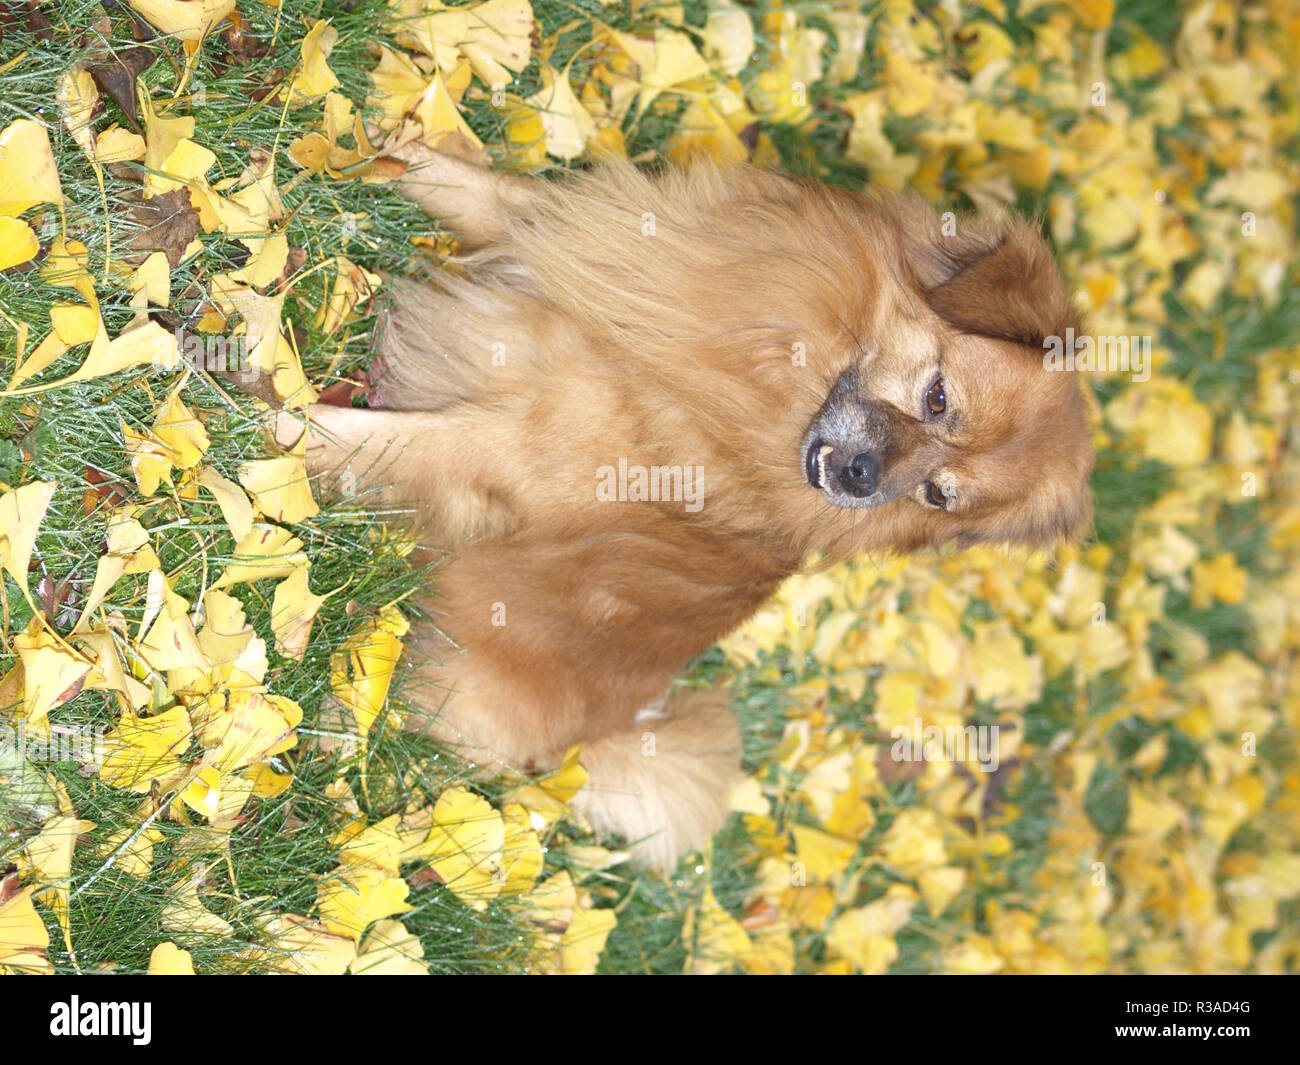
(643, 401)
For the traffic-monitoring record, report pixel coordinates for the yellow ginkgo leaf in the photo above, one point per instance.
(1094, 14)
(350, 902)
(276, 357)
(225, 631)
(728, 36)
(522, 857)
(525, 135)
(76, 95)
(378, 845)
(118, 145)
(182, 433)
(50, 851)
(144, 749)
(548, 799)
(352, 287)
(108, 661)
(851, 26)
(914, 842)
(280, 487)
(50, 855)
(170, 641)
(302, 946)
(28, 175)
(361, 674)
(865, 936)
(293, 611)
(1220, 578)
(565, 782)
(267, 783)
(465, 844)
(720, 942)
(51, 673)
(823, 856)
(310, 151)
(232, 796)
(940, 886)
(186, 20)
(184, 914)
(149, 460)
(704, 131)
(584, 941)
(132, 850)
(869, 146)
(498, 39)
(314, 77)
(184, 165)
(203, 793)
(389, 949)
(161, 137)
(167, 959)
(151, 282)
(234, 504)
(268, 552)
(18, 242)
(239, 727)
(21, 513)
(568, 125)
(974, 955)
(985, 44)
(23, 937)
(142, 344)
(496, 35)
(551, 904)
(399, 86)
(266, 263)
(667, 60)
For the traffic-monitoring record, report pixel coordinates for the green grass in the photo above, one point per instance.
(282, 850)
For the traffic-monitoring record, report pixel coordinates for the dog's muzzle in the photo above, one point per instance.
(843, 450)
(831, 469)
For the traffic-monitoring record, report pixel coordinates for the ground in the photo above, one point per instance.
(194, 230)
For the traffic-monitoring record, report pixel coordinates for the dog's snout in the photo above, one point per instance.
(861, 474)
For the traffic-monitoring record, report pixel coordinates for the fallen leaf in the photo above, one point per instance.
(117, 77)
(21, 512)
(167, 959)
(28, 175)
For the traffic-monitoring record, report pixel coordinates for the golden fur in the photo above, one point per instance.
(693, 319)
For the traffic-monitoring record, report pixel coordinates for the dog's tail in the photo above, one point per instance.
(664, 784)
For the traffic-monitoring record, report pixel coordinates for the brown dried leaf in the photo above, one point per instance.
(239, 46)
(26, 14)
(167, 224)
(341, 392)
(117, 76)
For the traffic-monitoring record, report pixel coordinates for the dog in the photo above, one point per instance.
(639, 402)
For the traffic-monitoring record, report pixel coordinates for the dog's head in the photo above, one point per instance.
(945, 417)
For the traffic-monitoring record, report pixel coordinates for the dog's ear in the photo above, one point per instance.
(992, 274)
(1041, 524)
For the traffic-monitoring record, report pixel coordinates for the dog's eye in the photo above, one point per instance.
(934, 495)
(936, 402)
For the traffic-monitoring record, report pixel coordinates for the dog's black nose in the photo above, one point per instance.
(861, 474)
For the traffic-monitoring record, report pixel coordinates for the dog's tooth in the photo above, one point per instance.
(822, 454)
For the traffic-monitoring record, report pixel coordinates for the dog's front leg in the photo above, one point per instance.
(432, 461)
(474, 200)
